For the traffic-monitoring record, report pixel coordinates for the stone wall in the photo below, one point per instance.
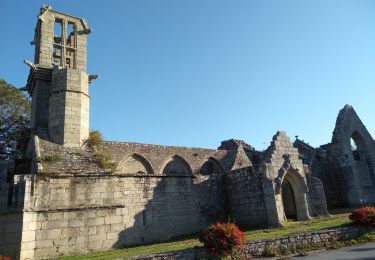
(14, 223)
(281, 244)
(246, 198)
(156, 157)
(11, 233)
(79, 215)
(316, 198)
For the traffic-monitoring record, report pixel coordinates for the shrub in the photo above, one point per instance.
(221, 240)
(269, 251)
(95, 139)
(105, 162)
(365, 215)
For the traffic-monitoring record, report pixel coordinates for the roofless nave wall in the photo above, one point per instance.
(70, 205)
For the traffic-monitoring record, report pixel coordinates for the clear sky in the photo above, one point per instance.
(196, 72)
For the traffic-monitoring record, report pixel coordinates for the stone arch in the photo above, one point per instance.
(135, 164)
(361, 159)
(358, 146)
(177, 166)
(211, 167)
(291, 195)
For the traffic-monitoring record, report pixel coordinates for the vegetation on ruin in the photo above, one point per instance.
(103, 160)
(51, 158)
(95, 139)
(290, 228)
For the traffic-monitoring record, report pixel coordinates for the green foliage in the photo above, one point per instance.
(105, 162)
(14, 117)
(364, 215)
(222, 239)
(95, 139)
(269, 251)
(295, 227)
(52, 158)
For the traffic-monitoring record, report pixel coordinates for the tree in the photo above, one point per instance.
(14, 117)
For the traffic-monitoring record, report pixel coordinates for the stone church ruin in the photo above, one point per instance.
(64, 203)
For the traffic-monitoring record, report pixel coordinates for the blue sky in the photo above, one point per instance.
(194, 73)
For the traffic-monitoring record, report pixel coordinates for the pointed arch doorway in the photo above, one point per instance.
(289, 201)
(291, 192)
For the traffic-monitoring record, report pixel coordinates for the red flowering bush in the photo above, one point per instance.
(365, 215)
(221, 240)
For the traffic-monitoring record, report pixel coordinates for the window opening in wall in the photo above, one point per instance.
(70, 45)
(57, 32)
(64, 44)
(354, 148)
(70, 35)
(37, 44)
(57, 43)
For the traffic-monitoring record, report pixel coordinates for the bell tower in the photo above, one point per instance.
(58, 83)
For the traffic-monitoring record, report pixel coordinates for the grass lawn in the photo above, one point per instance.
(289, 228)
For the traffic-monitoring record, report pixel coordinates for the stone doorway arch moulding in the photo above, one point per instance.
(300, 189)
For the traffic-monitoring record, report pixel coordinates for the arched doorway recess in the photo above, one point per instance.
(289, 202)
(291, 192)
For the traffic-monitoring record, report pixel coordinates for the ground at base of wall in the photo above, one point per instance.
(321, 247)
(290, 228)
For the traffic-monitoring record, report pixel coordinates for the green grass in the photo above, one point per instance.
(288, 229)
(294, 227)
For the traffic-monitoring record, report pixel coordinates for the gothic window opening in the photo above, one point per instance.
(64, 44)
(363, 164)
